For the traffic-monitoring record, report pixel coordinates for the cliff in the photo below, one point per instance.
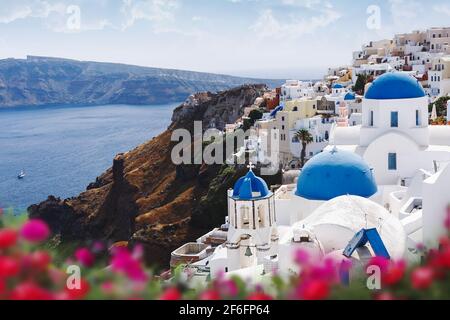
(145, 198)
(38, 81)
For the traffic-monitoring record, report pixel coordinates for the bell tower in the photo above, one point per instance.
(252, 233)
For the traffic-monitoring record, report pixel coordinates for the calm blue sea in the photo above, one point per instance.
(63, 149)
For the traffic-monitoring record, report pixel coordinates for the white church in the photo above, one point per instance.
(390, 174)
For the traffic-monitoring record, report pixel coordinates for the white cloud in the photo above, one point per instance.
(160, 12)
(22, 9)
(404, 9)
(267, 25)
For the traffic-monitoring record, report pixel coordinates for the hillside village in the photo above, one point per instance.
(364, 153)
(337, 99)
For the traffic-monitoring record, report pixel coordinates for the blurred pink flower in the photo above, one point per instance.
(30, 291)
(384, 296)
(394, 273)
(35, 231)
(9, 267)
(313, 290)
(123, 262)
(171, 294)
(107, 287)
(346, 265)
(227, 288)
(98, 247)
(259, 296)
(85, 257)
(422, 278)
(301, 257)
(210, 295)
(381, 262)
(8, 238)
(326, 270)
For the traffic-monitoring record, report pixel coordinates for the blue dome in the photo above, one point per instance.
(338, 86)
(350, 96)
(396, 85)
(250, 187)
(332, 174)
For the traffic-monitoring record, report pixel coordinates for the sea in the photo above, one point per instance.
(62, 149)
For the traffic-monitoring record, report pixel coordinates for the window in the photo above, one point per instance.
(261, 216)
(282, 118)
(394, 119)
(371, 118)
(417, 118)
(245, 217)
(392, 161)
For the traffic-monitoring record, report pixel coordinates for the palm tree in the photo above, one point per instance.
(305, 138)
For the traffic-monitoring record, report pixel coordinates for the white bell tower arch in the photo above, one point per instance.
(252, 233)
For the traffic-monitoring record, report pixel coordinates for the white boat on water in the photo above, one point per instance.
(21, 175)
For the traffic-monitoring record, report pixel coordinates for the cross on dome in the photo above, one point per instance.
(251, 166)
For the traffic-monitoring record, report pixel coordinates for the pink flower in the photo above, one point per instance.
(9, 267)
(98, 247)
(394, 273)
(385, 296)
(107, 287)
(35, 231)
(210, 295)
(381, 262)
(8, 238)
(171, 294)
(422, 278)
(30, 291)
(314, 290)
(327, 270)
(301, 257)
(346, 265)
(227, 288)
(259, 296)
(85, 257)
(124, 262)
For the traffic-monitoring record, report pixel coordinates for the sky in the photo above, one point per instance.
(256, 38)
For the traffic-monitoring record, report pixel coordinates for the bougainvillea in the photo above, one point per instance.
(29, 270)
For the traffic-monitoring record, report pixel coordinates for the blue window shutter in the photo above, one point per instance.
(394, 119)
(392, 161)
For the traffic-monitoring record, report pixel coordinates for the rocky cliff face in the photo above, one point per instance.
(38, 81)
(145, 198)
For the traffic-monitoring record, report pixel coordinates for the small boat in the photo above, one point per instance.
(21, 175)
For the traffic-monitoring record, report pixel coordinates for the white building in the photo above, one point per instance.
(439, 76)
(392, 174)
(319, 128)
(406, 154)
(295, 89)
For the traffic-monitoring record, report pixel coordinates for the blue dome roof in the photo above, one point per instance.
(337, 86)
(396, 85)
(333, 174)
(250, 187)
(349, 96)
